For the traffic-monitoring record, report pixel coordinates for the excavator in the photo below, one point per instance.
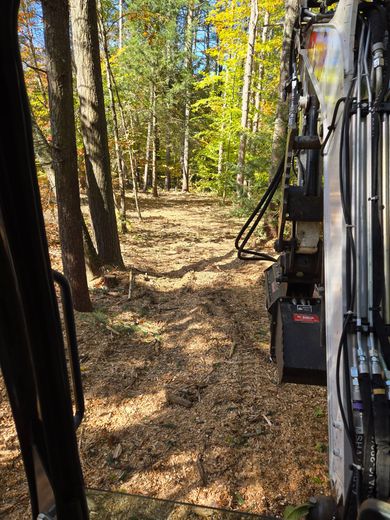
(328, 291)
(327, 286)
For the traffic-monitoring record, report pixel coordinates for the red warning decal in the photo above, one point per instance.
(306, 318)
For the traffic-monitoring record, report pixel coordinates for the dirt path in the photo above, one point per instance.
(194, 330)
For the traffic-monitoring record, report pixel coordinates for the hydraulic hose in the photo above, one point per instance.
(254, 220)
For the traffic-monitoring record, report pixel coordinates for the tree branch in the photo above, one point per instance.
(37, 69)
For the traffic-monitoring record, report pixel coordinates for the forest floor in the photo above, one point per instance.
(182, 401)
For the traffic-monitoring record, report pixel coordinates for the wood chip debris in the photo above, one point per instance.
(112, 330)
(131, 284)
(201, 470)
(173, 398)
(117, 452)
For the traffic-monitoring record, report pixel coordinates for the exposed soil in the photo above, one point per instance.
(182, 400)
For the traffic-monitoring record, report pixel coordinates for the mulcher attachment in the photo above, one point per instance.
(295, 279)
(295, 334)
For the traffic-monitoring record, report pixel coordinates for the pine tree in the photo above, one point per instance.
(94, 130)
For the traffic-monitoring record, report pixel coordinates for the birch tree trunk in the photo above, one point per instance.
(64, 151)
(260, 74)
(120, 36)
(94, 130)
(187, 110)
(246, 94)
(279, 136)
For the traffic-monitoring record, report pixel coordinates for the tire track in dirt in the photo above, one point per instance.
(244, 380)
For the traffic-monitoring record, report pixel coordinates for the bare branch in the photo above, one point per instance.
(37, 69)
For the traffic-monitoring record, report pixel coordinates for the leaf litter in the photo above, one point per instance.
(195, 329)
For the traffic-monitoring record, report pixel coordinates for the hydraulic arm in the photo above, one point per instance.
(328, 292)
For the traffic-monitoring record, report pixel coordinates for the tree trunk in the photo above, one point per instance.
(118, 150)
(222, 134)
(207, 39)
(154, 142)
(120, 36)
(186, 148)
(94, 130)
(91, 256)
(29, 42)
(246, 94)
(168, 159)
(64, 151)
(133, 166)
(147, 157)
(260, 75)
(187, 109)
(41, 145)
(134, 122)
(130, 151)
(43, 153)
(148, 140)
(279, 136)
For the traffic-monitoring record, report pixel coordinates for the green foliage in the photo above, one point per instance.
(321, 447)
(96, 316)
(219, 108)
(119, 220)
(33, 59)
(154, 52)
(239, 499)
(296, 512)
(319, 412)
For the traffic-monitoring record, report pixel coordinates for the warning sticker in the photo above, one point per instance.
(306, 318)
(304, 308)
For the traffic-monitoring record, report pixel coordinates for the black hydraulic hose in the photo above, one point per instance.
(340, 351)
(258, 212)
(351, 275)
(312, 174)
(254, 220)
(381, 429)
(377, 18)
(368, 486)
(350, 506)
(345, 196)
(348, 511)
(377, 23)
(332, 126)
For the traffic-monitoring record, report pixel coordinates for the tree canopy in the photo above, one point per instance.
(153, 52)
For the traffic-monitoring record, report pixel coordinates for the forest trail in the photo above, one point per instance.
(182, 401)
